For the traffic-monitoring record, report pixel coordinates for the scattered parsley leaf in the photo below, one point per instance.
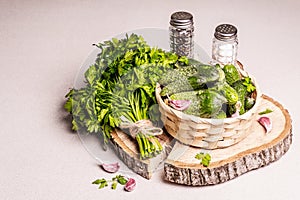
(204, 158)
(199, 156)
(265, 111)
(114, 185)
(101, 182)
(119, 179)
(98, 181)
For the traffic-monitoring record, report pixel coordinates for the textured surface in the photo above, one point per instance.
(204, 132)
(255, 151)
(42, 47)
(126, 149)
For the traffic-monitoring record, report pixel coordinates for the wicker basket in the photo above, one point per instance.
(204, 132)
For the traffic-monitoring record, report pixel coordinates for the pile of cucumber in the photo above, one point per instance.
(214, 91)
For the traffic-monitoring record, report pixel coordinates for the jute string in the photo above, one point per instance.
(144, 126)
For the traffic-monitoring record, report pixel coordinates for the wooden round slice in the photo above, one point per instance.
(258, 149)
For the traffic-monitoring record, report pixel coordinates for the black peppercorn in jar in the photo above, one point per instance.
(182, 34)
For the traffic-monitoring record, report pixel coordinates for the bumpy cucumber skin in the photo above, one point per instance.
(231, 74)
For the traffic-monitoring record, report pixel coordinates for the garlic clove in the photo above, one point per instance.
(111, 168)
(180, 104)
(130, 185)
(266, 123)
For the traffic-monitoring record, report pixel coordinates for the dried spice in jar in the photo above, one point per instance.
(182, 34)
(225, 44)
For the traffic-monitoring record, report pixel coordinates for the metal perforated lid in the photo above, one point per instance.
(181, 19)
(225, 32)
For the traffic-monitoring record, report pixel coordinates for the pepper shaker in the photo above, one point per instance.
(225, 44)
(181, 32)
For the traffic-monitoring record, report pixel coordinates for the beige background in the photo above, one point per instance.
(44, 43)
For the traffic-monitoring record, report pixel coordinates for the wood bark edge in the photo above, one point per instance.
(131, 159)
(233, 167)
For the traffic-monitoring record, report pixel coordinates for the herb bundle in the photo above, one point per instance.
(120, 87)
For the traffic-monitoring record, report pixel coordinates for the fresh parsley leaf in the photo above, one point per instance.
(121, 179)
(183, 60)
(101, 182)
(69, 102)
(114, 185)
(265, 111)
(90, 74)
(121, 82)
(98, 181)
(247, 82)
(204, 159)
(103, 185)
(199, 156)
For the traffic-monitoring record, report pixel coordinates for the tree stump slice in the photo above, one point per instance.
(256, 150)
(127, 150)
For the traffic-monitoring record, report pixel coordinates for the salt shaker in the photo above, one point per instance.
(181, 32)
(225, 44)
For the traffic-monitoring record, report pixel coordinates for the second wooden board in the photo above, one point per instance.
(257, 150)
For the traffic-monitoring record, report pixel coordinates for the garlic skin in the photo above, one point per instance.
(266, 123)
(111, 168)
(130, 185)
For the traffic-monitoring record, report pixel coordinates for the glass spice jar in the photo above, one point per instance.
(181, 32)
(225, 44)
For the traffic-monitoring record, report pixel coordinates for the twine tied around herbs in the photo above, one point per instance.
(143, 126)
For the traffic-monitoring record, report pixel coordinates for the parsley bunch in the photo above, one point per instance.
(121, 82)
